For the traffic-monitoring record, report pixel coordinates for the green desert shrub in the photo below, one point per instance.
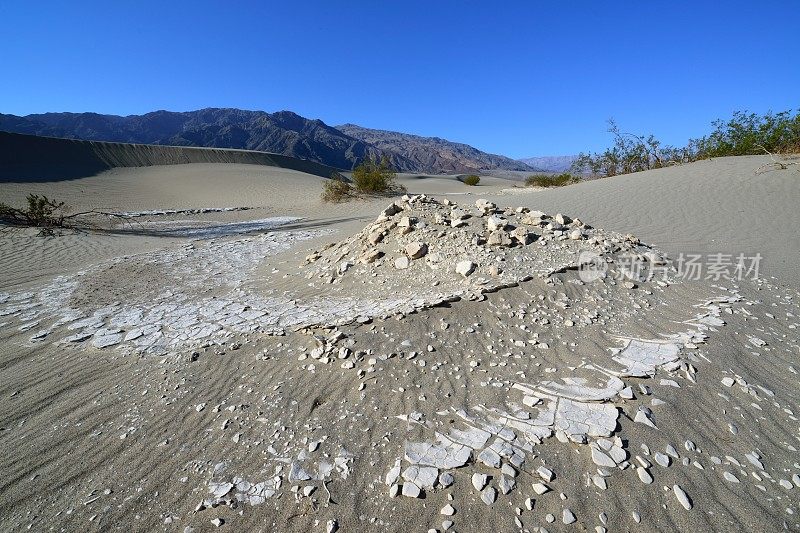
(41, 212)
(471, 180)
(336, 189)
(751, 134)
(550, 180)
(743, 134)
(375, 177)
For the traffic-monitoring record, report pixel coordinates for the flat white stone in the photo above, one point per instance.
(680, 494)
(601, 459)
(479, 481)
(545, 473)
(410, 490)
(730, 477)
(489, 495)
(644, 476)
(540, 488)
(506, 484)
(662, 459)
(423, 477)
(440, 456)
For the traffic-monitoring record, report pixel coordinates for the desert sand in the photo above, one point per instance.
(446, 360)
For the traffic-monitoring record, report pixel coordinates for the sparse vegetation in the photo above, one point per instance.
(549, 180)
(336, 189)
(371, 177)
(47, 214)
(744, 134)
(375, 177)
(471, 180)
(42, 212)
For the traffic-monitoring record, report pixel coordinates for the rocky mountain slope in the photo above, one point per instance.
(552, 163)
(433, 152)
(284, 133)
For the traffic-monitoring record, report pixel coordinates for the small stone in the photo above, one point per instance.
(416, 250)
(479, 481)
(682, 497)
(730, 477)
(490, 458)
(448, 510)
(662, 459)
(540, 488)
(568, 517)
(411, 490)
(489, 495)
(644, 476)
(545, 473)
(601, 459)
(217, 522)
(446, 479)
(402, 262)
(465, 268)
(506, 484)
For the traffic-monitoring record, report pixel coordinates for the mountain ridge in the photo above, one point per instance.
(281, 132)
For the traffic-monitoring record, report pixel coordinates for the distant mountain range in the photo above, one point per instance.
(283, 133)
(553, 163)
(432, 152)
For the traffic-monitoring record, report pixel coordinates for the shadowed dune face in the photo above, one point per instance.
(28, 158)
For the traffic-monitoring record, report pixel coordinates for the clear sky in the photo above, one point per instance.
(517, 78)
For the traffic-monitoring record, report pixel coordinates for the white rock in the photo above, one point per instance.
(448, 510)
(568, 517)
(662, 459)
(465, 268)
(682, 497)
(644, 476)
(410, 490)
(545, 473)
(479, 481)
(730, 477)
(540, 488)
(489, 495)
(402, 262)
(416, 250)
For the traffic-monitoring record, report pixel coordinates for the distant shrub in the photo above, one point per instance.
(375, 177)
(336, 189)
(548, 180)
(471, 180)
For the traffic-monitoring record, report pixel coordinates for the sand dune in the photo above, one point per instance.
(26, 158)
(327, 371)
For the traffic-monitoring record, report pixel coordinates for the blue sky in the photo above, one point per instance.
(517, 78)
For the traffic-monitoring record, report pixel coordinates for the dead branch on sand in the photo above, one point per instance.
(775, 164)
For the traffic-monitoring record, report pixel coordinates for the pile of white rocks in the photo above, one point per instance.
(451, 252)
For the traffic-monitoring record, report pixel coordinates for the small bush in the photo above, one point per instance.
(471, 180)
(42, 212)
(336, 189)
(547, 180)
(743, 134)
(375, 177)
